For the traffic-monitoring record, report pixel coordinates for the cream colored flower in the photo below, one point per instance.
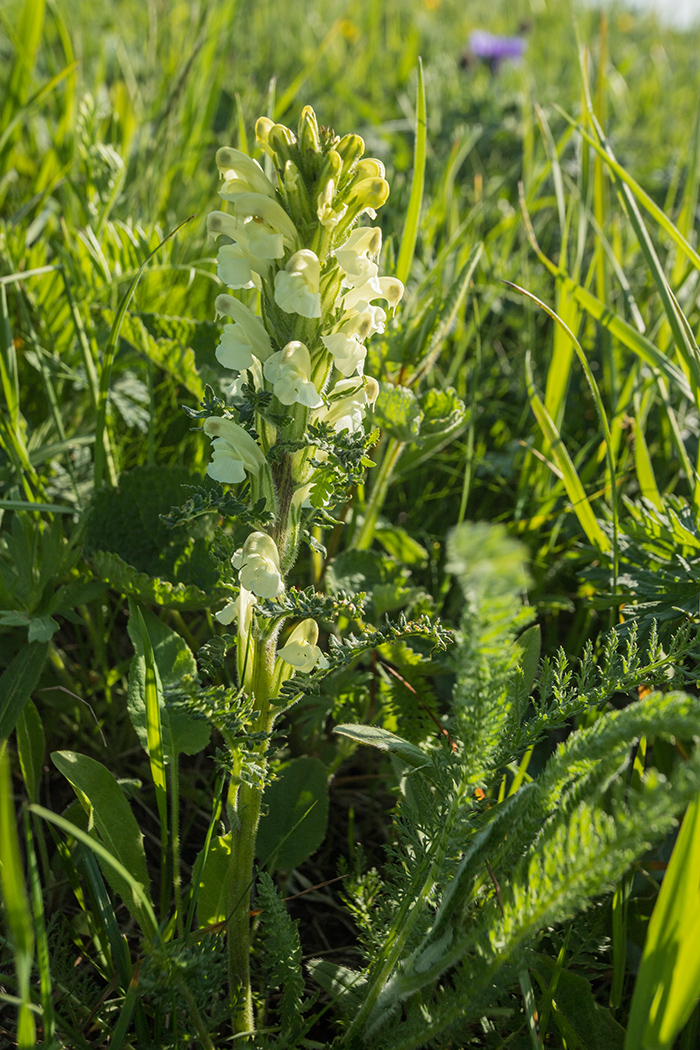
(234, 451)
(241, 174)
(260, 566)
(389, 288)
(267, 213)
(347, 352)
(297, 286)
(350, 398)
(244, 340)
(240, 610)
(301, 650)
(355, 256)
(289, 370)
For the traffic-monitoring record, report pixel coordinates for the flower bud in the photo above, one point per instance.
(371, 389)
(283, 142)
(263, 126)
(301, 650)
(295, 191)
(309, 138)
(350, 148)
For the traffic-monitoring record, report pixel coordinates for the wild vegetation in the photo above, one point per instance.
(348, 652)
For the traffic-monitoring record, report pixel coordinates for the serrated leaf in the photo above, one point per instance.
(151, 590)
(398, 413)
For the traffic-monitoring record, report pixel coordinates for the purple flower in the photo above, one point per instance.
(496, 49)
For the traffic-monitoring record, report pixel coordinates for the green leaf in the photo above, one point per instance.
(296, 814)
(668, 981)
(115, 824)
(31, 746)
(41, 628)
(212, 895)
(168, 354)
(17, 682)
(150, 689)
(397, 542)
(374, 736)
(150, 590)
(398, 413)
(174, 662)
(594, 1025)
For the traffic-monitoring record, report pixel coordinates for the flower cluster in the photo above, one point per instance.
(297, 246)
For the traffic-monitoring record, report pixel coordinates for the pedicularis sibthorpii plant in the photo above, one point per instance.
(294, 425)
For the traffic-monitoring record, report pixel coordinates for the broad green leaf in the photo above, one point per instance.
(115, 824)
(17, 682)
(295, 814)
(150, 689)
(382, 739)
(182, 732)
(668, 981)
(397, 542)
(212, 897)
(594, 1025)
(398, 413)
(138, 893)
(31, 747)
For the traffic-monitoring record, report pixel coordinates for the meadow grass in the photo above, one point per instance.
(545, 376)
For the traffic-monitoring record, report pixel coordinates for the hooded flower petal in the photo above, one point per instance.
(301, 650)
(241, 174)
(389, 288)
(297, 286)
(263, 209)
(289, 370)
(243, 341)
(234, 451)
(233, 266)
(355, 256)
(260, 566)
(347, 352)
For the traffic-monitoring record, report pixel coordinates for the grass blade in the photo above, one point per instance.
(415, 201)
(668, 982)
(17, 912)
(572, 483)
